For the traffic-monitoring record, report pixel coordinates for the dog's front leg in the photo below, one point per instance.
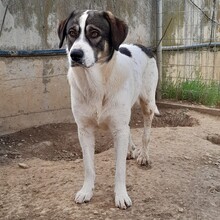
(121, 140)
(87, 142)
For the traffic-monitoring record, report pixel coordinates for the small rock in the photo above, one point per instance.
(214, 138)
(78, 160)
(45, 143)
(180, 210)
(23, 165)
(20, 144)
(95, 212)
(187, 158)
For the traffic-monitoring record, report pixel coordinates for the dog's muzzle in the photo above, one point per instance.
(77, 56)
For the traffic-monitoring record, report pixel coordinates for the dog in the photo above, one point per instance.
(106, 79)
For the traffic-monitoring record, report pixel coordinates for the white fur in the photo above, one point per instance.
(103, 95)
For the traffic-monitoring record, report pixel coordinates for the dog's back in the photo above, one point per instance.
(141, 64)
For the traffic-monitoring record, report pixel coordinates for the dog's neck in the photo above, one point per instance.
(94, 83)
(96, 76)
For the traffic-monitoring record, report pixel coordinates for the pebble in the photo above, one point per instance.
(96, 212)
(187, 158)
(78, 160)
(23, 165)
(180, 210)
(46, 143)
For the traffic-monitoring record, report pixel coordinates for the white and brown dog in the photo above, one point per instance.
(106, 79)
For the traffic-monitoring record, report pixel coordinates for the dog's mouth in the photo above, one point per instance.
(81, 64)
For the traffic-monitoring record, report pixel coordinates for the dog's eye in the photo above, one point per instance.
(94, 34)
(73, 33)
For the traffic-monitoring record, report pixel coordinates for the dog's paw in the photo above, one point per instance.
(83, 196)
(130, 155)
(132, 152)
(122, 200)
(143, 160)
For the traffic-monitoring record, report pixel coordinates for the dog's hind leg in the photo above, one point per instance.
(87, 142)
(142, 154)
(131, 149)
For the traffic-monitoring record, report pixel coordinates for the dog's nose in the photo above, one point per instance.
(77, 55)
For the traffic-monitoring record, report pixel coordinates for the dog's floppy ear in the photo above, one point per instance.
(62, 29)
(62, 32)
(119, 29)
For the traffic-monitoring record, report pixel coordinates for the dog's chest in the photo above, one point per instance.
(89, 97)
(100, 108)
(97, 111)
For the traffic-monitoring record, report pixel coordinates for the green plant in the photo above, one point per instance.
(195, 90)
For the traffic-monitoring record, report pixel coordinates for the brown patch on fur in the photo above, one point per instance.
(144, 107)
(61, 32)
(119, 29)
(62, 28)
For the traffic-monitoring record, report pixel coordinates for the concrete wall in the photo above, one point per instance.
(32, 24)
(190, 26)
(34, 90)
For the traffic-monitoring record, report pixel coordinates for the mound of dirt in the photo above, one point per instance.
(214, 138)
(167, 118)
(60, 141)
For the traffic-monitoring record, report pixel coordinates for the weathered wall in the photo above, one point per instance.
(191, 64)
(34, 90)
(190, 26)
(32, 24)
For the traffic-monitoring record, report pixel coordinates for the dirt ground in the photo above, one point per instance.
(41, 169)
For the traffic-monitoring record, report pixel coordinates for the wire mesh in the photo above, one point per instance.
(191, 51)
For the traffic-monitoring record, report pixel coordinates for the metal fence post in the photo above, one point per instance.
(159, 47)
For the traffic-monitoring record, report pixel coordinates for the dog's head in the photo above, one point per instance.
(92, 36)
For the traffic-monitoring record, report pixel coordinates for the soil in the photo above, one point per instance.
(41, 169)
